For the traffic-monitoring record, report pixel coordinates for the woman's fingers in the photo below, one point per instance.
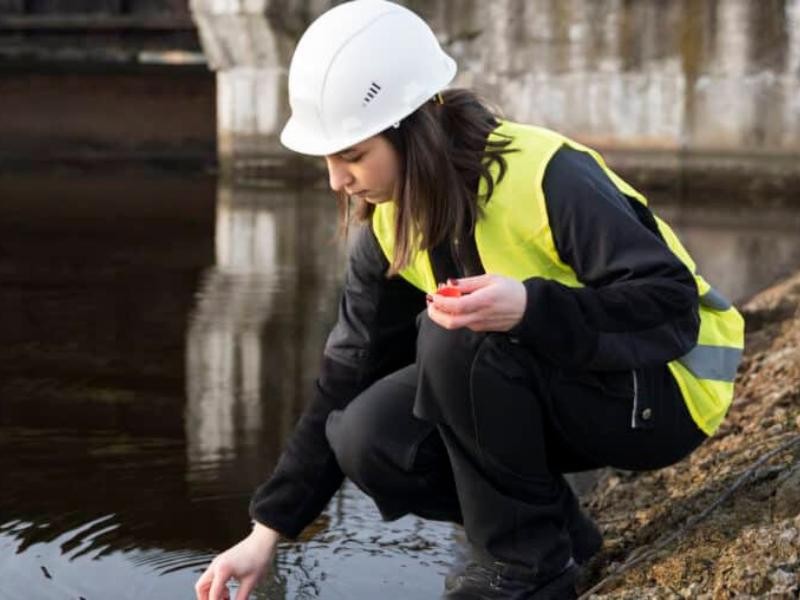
(462, 305)
(219, 589)
(449, 320)
(246, 562)
(247, 585)
(494, 306)
(212, 585)
(452, 313)
(203, 584)
(470, 284)
(452, 306)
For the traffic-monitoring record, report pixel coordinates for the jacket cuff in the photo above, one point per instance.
(280, 514)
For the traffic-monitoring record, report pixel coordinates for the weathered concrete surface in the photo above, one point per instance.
(686, 78)
(748, 546)
(249, 44)
(712, 75)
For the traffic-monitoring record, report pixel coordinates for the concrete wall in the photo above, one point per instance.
(715, 75)
(711, 76)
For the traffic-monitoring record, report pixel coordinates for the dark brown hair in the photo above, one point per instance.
(444, 152)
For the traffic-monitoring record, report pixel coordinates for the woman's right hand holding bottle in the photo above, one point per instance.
(246, 562)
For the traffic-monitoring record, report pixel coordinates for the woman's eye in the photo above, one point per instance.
(353, 158)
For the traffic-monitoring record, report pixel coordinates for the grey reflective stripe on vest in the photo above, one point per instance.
(713, 299)
(718, 363)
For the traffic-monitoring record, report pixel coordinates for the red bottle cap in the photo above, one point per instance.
(449, 291)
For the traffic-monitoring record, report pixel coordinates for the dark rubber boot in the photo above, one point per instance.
(585, 536)
(502, 581)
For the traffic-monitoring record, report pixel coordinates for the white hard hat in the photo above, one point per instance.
(360, 68)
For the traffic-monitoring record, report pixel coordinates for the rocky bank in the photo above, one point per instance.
(748, 545)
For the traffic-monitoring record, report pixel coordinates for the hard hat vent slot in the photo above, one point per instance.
(373, 90)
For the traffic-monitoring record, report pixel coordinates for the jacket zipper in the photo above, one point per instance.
(635, 400)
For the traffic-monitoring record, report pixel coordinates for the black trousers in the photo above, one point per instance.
(480, 431)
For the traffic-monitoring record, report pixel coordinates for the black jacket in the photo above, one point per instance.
(639, 308)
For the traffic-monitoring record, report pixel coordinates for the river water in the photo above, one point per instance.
(159, 334)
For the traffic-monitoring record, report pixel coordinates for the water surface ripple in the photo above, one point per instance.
(159, 337)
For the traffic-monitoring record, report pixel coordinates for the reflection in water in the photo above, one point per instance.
(255, 336)
(82, 511)
(253, 349)
(95, 281)
(159, 337)
(148, 379)
(359, 556)
(223, 347)
(740, 251)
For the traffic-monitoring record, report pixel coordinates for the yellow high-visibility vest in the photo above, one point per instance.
(514, 239)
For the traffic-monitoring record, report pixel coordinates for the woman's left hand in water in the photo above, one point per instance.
(488, 303)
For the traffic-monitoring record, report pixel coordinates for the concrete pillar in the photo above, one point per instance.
(249, 43)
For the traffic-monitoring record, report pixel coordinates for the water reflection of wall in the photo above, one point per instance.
(739, 252)
(255, 336)
(722, 75)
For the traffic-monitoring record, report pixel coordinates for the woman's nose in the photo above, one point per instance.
(339, 176)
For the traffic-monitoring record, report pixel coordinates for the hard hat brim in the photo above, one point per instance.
(299, 139)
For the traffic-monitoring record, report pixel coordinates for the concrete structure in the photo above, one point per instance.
(714, 78)
(103, 79)
(249, 44)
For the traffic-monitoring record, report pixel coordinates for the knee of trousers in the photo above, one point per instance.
(352, 435)
(445, 354)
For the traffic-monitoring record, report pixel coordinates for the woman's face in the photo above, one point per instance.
(368, 170)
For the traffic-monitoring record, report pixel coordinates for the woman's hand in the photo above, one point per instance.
(488, 303)
(246, 561)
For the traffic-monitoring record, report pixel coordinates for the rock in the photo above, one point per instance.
(783, 579)
(788, 535)
(775, 429)
(787, 496)
(691, 591)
